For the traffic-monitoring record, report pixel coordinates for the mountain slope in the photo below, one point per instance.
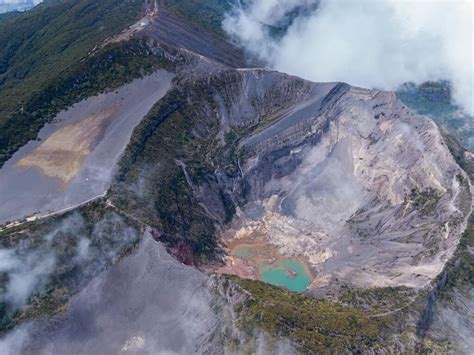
(42, 48)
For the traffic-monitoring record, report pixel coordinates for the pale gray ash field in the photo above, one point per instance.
(167, 188)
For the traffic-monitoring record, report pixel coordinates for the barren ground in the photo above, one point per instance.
(63, 153)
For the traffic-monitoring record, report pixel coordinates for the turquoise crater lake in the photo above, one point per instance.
(289, 273)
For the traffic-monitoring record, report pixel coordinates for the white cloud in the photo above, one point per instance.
(20, 5)
(26, 274)
(370, 43)
(83, 249)
(12, 343)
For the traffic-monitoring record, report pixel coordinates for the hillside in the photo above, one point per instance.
(44, 48)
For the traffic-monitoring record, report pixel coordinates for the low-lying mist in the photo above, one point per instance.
(64, 255)
(328, 194)
(370, 43)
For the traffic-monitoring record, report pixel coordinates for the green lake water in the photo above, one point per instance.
(287, 273)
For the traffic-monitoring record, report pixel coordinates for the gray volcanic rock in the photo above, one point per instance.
(349, 179)
(373, 196)
(454, 320)
(149, 303)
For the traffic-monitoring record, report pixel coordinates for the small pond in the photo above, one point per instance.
(289, 273)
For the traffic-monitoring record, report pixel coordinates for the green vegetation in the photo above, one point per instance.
(46, 65)
(208, 14)
(458, 152)
(461, 267)
(430, 98)
(8, 15)
(425, 201)
(315, 325)
(434, 99)
(169, 160)
(377, 301)
(457, 276)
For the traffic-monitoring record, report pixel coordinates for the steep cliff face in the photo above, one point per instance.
(351, 181)
(373, 189)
